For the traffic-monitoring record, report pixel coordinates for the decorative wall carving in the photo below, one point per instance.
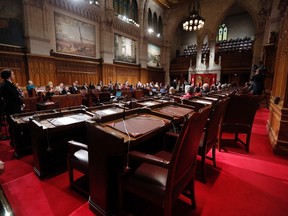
(125, 27)
(278, 118)
(91, 13)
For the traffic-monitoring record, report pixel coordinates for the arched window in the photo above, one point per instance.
(135, 11)
(150, 24)
(155, 22)
(116, 6)
(159, 30)
(127, 9)
(121, 7)
(222, 32)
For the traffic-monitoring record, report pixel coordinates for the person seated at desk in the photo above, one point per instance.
(59, 89)
(21, 93)
(50, 84)
(65, 90)
(197, 91)
(91, 85)
(49, 93)
(30, 88)
(206, 88)
(171, 90)
(74, 88)
(85, 86)
(189, 94)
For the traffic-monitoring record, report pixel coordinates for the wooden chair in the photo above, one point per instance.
(209, 138)
(162, 177)
(78, 160)
(30, 104)
(239, 117)
(104, 97)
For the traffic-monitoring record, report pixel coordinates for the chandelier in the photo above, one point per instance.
(195, 21)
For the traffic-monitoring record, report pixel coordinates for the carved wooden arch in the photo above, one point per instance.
(247, 6)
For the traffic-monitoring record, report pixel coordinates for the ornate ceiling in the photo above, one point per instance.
(170, 3)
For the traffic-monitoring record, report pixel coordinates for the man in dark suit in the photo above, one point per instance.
(258, 82)
(10, 97)
(74, 88)
(10, 94)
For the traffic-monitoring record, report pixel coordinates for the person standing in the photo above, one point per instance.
(258, 82)
(10, 96)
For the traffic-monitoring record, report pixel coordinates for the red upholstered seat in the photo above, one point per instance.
(78, 159)
(162, 177)
(239, 117)
(210, 136)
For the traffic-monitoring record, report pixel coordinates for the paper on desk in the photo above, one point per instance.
(62, 121)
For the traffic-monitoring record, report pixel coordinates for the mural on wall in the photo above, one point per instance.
(125, 49)
(11, 26)
(154, 53)
(74, 36)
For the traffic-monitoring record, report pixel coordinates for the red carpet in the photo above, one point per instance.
(28, 195)
(254, 183)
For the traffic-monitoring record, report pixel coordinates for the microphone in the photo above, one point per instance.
(123, 117)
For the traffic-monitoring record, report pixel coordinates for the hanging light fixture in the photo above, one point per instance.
(194, 21)
(93, 2)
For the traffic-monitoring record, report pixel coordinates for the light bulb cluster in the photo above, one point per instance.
(151, 31)
(93, 2)
(128, 20)
(194, 22)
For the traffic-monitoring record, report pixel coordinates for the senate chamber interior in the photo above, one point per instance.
(144, 107)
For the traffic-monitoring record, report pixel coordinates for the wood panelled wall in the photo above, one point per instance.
(15, 59)
(59, 68)
(278, 118)
(41, 70)
(132, 73)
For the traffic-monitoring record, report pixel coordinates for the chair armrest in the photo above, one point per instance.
(151, 159)
(172, 134)
(75, 146)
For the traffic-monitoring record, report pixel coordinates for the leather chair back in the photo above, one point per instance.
(183, 159)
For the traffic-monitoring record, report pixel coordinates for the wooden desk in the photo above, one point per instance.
(198, 103)
(108, 148)
(152, 104)
(68, 100)
(50, 134)
(47, 105)
(177, 111)
(20, 131)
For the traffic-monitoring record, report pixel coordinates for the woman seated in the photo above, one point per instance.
(31, 88)
(189, 94)
(49, 93)
(171, 90)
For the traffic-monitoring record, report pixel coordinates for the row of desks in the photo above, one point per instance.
(109, 131)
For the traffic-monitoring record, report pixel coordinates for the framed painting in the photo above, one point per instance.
(74, 36)
(125, 49)
(11, 23)
(154, 54)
